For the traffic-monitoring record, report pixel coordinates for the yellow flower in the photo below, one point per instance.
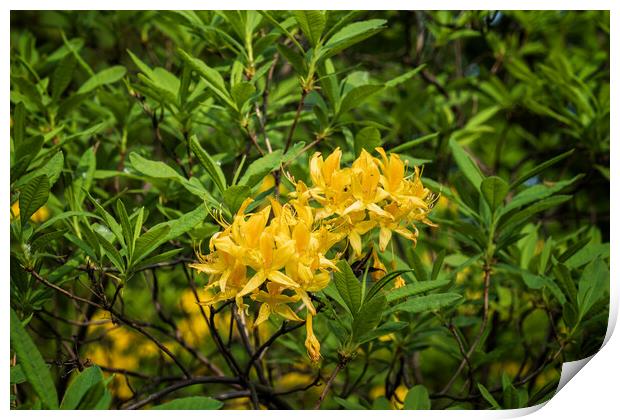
(312, 344)
(273, 302)
(39, 216)
(283, 252)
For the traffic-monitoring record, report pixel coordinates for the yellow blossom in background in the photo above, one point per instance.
(39, 216)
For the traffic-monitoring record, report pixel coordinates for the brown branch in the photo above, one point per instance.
(474, 344)
(300, 106)
(328, 385)
(132, 324)
(183, 384)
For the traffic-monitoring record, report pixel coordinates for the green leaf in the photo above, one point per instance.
(52, 169)
(213, 169)
(152, 168)
(367, 138)
(350, 403)
(404, 77)
(382, 282)
(32, 364)
(293, 57)
(539, 168)
(356, 96)
(368, 316)
(111, 252)
(83, 176)
(438, 264)
(348, 287)
(260, 168)
(412, 143)
(19, 128)
(352, 34)
(104, 77)
(191, 403)
(494, 190)
(312, 24)
(415, 289)
(537, 192)
(417, 399)
(17, 375)
(592, 286)
(214, 80)
(121, 213)
(32, 197)
(141, 65)
(509, 222)
(466, 164)
(481, 117)
(235, 195)
(148, 242)
(241, 92)
(109, 220)
(62, 76)
(418, 267)
(383, 329)
(79, 387)
(487, 396)
(427, 303)
(186, 222)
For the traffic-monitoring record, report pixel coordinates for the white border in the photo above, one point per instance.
(594, 394)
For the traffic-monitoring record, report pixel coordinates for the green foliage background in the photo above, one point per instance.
(124, 124)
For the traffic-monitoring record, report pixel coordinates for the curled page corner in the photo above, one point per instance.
(570, 369)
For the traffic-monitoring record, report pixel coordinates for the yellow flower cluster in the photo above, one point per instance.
(279, 254)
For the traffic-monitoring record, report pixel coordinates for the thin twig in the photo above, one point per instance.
(300, 106)
(328, 385)
(474, 344)
(183, 384)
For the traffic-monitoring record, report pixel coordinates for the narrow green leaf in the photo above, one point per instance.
(32, 197)
(260, 168)
(148, 242)
(19, 126)
(213, 169)
(539, 168)
(111, 252)
(241, 92)
(312, 24)
(487, 396)
(412, 143)
(494, 190)
(348, 287)
(417, 399)
(214, 80)
(404, 77)
(104, 77)
(368, 316)
(62, 76)
(121, 213)
(438, 264)
(415, 289)
(593, 283)
(17, 375)
(80, 386)
(356, 96)
(352, 34)
(466, 164)
(427, 303)
(32, 364)
(152, 168)
(191, 403)
(235, 195)
(367, 138)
